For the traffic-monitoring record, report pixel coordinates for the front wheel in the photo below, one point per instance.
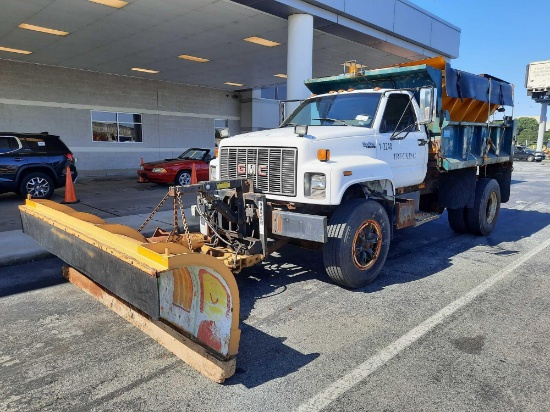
(530, 158)
(482, 218)
(358, 243)
(183, 178)
(38, 185)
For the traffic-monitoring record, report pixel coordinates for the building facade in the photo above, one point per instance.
(149, 79)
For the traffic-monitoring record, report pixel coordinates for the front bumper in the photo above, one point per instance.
(156, 177)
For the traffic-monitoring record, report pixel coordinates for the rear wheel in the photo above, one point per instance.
(183, 178)
(482, 218)
(457, 220)
(38, 185)
(358, 243)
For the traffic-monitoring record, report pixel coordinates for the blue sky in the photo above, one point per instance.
(499, 38)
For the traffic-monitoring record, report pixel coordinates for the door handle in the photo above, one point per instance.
(18, 159)
(422, 142)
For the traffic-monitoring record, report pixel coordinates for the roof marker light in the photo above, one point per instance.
(261, 41)
(43, 29)
(117, 4)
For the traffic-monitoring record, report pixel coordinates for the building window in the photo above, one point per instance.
(116, 127)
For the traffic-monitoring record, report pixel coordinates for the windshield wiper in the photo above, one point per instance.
(332, 120)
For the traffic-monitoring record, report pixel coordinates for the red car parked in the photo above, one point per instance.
(178, 171)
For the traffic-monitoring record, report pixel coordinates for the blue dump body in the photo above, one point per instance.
(469, 100)
(469, 145)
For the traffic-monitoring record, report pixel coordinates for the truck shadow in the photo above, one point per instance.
(414, 253)
(433, 246)
(263, 358)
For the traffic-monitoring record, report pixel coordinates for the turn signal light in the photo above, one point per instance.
(216, 152)
(323, 155)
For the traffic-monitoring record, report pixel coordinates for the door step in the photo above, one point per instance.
(424, 217)
(407, 216)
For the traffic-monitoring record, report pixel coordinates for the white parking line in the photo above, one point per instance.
(371, 365)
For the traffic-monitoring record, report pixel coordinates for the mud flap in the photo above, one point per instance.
(174, 292)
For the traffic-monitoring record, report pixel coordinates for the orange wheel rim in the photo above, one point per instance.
(367, 244)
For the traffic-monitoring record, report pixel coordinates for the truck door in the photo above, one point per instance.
(400, 142)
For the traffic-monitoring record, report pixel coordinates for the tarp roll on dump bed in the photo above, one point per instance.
(467, 97)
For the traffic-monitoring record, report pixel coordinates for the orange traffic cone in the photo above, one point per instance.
(194, 179)
(140, 178)
(70, 195)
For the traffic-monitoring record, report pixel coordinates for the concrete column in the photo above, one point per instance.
(300, 56)
(542, 126)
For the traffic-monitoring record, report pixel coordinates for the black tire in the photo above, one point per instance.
(183, 178)
(37, 184)
(482, 218)
(358, 243)
(530, 158)
(457, 220)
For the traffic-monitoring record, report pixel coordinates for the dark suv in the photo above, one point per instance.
(524, 153)
(33, 163)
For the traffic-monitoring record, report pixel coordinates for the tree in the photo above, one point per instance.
(528, 131)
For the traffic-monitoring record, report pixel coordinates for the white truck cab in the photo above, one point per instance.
(329, 143)
(370, 152)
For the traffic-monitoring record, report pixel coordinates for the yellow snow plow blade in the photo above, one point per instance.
(187, 301)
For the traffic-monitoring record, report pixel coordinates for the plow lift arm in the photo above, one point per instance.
(235, 221)
(177, 288)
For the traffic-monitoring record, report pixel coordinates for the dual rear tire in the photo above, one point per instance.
(481, 219)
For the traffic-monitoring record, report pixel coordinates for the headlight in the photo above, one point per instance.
(318, 182)
(212, 172)
(159, 170)
(315, 185)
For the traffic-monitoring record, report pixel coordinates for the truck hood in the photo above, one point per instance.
(286, 136)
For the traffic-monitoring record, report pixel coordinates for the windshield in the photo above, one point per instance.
(353, 109)
(192, 154)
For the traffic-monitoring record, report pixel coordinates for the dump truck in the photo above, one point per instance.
(369, 153)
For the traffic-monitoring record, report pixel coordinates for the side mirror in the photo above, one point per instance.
(426, 104)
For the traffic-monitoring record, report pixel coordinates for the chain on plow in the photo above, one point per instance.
(178, 204)
(153, 212)
(183, 219)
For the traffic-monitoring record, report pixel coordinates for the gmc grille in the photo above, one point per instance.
(272, 169)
